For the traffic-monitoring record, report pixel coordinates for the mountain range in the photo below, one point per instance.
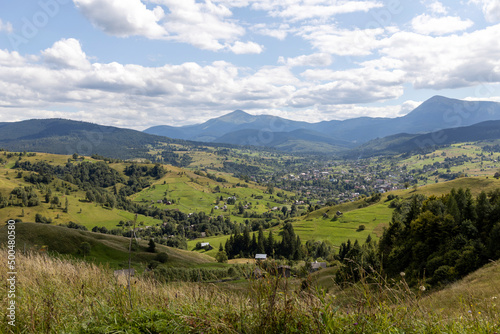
(437, 121)
(62, 136)
(242, 128)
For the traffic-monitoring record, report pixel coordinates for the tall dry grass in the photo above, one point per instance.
(66, 296)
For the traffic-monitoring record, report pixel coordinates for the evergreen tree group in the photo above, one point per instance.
(242, 245)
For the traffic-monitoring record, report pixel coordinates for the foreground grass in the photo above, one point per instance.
(56, 296)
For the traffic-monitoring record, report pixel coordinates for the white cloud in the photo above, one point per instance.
(134, 95)
(445, 61)
(298, 10)
(435, 7)
(205, 25)
(361, 85)
(491, 9)
(123, 18)
(333, 40)
(429, 25)
(277, 31)
(484, 98)
(245, 48)
(316, 59)
(66, 53)
(11, 58)
(408, 106)
(7, 26)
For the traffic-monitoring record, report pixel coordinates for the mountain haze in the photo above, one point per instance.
(401, 143)
(434, 114)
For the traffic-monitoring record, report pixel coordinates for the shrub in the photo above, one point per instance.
(161, 257)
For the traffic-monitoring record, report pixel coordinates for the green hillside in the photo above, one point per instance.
(105, 249)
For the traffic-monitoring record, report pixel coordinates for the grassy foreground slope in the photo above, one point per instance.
(56, 295)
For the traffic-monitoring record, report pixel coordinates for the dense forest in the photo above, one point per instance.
(431, 239)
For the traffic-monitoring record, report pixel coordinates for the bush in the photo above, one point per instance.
(161, 257)
(153, 264)
(221, 257)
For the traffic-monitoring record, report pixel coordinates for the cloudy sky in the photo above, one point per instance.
(138, 63)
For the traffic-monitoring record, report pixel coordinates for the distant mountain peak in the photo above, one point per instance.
(237, 116)
(238, 112)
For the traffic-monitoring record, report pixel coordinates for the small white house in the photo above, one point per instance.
(260, 257)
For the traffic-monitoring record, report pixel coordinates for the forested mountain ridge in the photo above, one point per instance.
(402, 143)
(434, 114)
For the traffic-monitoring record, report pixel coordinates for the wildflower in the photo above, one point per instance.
(479, 312)
(422, 288)
(470, 311)
(402, 274)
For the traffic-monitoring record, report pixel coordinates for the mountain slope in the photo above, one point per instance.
(402, 143)
(105, 248)
(213, 129)
(434, 114)
(62, 136)
(299, 140)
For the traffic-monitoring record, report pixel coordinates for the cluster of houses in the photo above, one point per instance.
(160, 201)
(282, 270)
(346, 184)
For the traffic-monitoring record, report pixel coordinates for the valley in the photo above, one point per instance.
(193, 215)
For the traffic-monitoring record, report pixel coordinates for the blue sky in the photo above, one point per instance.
(139, 63)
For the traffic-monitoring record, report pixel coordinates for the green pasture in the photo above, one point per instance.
(105, 248)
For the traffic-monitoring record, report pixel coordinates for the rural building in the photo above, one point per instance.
(284, 271)
(124, 272)
(206, 245)
(317, 265)
(260, 257)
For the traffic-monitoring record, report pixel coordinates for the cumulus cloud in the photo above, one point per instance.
(429, 25)
(246, 48)
(7, 26)
(134, 94)
(299, 10)
(360, 85)
(446, 61)
(435, 7)
(66, 53)
(205, 25)
(123, 18)
(333, 40)
(313, 60)
(277, 31)
(491, 9)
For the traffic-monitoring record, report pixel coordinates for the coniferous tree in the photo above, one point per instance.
(151, 246)
(270, 244)
(261, 242)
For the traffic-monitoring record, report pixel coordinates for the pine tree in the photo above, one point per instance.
(245, 247)
(270, 244)
(261, 242)
(151, 246)
(253, 247)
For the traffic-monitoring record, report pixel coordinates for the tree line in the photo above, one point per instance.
(436, 239)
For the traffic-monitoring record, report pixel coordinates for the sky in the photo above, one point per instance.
(141, 63)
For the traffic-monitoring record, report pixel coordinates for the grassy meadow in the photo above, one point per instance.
(57, 295)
